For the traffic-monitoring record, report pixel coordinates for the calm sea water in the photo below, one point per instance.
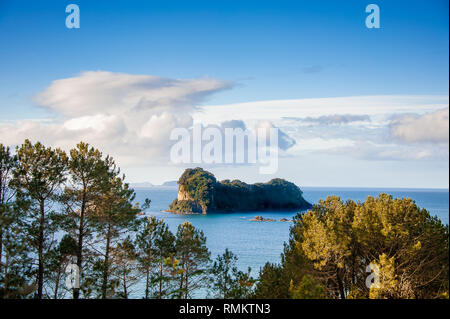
(255, 243)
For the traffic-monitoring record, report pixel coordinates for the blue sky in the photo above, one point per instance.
(263, 50)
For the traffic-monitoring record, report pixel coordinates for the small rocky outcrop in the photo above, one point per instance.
(262, 219)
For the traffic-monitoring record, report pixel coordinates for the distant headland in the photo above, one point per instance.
(200, 192)
(146, 185)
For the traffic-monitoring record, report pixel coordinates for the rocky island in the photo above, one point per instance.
(200, 192)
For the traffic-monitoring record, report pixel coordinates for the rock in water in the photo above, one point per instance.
(258, 219)
(200, 192)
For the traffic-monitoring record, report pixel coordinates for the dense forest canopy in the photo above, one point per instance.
(203, 193)
(380, 248)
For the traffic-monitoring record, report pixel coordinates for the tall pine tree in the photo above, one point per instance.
(88, 173)
(193, 257)
(38, 178)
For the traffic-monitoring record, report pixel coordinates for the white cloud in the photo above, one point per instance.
(98, 123)
(320, 144)
(357, 127)
(368, 150)
(377, 107)
(96, 92)
(233, 124)
(284, 141)
(428, 128)
(127, 116)
(334, 119)
(131, 117)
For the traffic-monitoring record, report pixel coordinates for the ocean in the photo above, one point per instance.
(256, 243)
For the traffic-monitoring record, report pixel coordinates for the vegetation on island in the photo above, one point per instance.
(74, 210)
(200, 192)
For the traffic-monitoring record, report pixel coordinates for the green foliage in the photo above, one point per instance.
(336, 241)
(308, 288)
(193, 257)
(88, 173)
(37, 178)
(271, 283)
(185, 206)
(226, 281)
(113, 217)
(16, 264)
(275, 280)
(166, 264)
(14, 261)
(146, 250)
(159, 268)
(57, 260)
(124, 267)
(199, 185)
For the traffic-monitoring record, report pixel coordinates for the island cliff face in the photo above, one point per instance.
(200, 192)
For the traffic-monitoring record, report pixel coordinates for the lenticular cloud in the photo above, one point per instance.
(128, 116)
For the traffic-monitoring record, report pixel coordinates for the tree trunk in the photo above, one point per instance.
(181, 287)
(76, 291)
(58, 276)
(340, 284)
(1, 231)
(147, 284)
(186, 281)
(125, 292)
(1, 246)
(6, 279)
(160, 279)
(106, 266)
(40, 275)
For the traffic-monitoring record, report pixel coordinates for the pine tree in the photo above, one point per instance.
(59, 258)
(147, 253)
(124, 267)
(88, 172)
(166, 263)
(193, 257)
(8, 163)
(227, 281)
(13, 259)
(332, 246)
(114, 216)
(40, 173)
